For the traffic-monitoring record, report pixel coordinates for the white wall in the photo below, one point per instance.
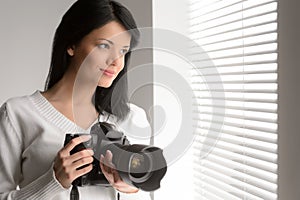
(171, 15)
(289, 99)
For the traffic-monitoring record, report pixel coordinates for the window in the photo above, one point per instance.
(235, 153)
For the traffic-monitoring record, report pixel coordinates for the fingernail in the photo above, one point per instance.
(108, 152)
(91, 152)
(101, 159)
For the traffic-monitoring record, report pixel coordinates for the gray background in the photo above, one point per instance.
(27, 30)
(289, 99)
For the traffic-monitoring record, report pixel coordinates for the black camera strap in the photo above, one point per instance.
(74, 194)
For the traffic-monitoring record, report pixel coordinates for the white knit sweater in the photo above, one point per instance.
(32, 131)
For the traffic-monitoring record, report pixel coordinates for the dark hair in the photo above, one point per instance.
(83, 17)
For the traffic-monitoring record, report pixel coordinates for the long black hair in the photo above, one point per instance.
(83, 17)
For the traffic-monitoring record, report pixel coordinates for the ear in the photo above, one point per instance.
(71, 50)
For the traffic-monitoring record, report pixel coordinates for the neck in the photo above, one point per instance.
(73, 95)
(72, 88)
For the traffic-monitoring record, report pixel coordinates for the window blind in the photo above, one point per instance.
(239, 39)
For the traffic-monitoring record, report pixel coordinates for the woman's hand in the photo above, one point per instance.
(66, 165)
(111, 174)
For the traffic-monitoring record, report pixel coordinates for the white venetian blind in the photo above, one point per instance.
(236, 124)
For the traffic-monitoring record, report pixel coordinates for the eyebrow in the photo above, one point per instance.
(111, 42)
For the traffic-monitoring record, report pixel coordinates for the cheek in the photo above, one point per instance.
(121, 63)
(121, 67)
(97, 59)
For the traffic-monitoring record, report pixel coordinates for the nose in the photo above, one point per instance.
(115, 59)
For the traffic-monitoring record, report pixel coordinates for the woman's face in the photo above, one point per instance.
(99, 57)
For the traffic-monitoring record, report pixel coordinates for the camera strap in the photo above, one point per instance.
(74, 194)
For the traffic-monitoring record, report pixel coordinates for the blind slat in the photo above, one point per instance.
(229, 71)
(239, 149)
(270, 101)
(240, 60)
(250, 125)
(239, 84)
(241, 131)
(235, 42)
(240, 114)
(240, 105)
(239, 140)
(237, 52)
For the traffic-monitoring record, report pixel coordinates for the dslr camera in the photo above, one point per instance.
(141, 166)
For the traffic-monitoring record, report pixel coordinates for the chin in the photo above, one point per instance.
(105, 85)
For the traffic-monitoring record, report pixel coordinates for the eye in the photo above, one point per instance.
(103, 46)
(124, 51)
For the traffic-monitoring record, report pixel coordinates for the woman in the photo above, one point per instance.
(86, 83)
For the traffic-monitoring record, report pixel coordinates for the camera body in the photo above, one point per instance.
(139, 165)
(99, 138)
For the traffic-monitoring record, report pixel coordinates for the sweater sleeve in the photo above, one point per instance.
(11, 167)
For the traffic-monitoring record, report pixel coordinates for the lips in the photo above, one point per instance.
(108, 72)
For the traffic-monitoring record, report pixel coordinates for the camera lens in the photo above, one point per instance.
(140, 167)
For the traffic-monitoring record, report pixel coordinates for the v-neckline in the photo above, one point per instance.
(56, 117)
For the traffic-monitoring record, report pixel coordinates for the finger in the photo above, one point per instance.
(107, 175)
(68, 174)
(83, 171)
(108, 159)
(109, 178)
(116, 175)
(114, 178)
(81, 154)
(104, 164)
(82, 162)
(74, 142)
(109, 155)
(112, 168)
